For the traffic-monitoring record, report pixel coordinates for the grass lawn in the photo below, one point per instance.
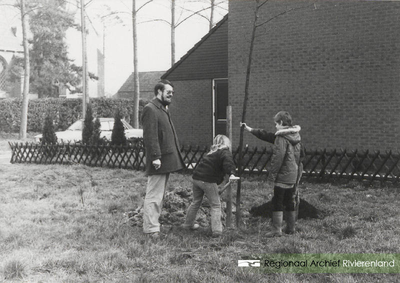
(70, 224)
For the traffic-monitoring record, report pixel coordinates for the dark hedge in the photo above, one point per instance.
(64, 111)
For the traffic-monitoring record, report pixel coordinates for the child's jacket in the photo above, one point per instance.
(213, 167)
(285, 157)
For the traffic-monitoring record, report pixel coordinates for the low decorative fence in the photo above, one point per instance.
(128, 157)
(327, 165)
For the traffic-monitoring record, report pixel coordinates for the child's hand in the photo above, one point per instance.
(247, 128)
(233, 178)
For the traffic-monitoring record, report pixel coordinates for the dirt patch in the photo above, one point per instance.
(306, 210)
(176, 203)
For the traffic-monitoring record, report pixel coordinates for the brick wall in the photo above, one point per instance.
(192, 76)
(191, 112)
(335, 66)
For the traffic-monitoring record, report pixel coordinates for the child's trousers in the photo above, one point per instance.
(211, 191)
(283, 199)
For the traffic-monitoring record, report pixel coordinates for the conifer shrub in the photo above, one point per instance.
(48, 137)
(95, 138)
(118, 133)
(87, 131)
(48, 133)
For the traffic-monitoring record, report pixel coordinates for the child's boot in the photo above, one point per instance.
(290, 222)
(277, 219)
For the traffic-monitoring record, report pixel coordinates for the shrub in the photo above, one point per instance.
(87, 131)
(49, 134)
(118, 133)
(95, 137)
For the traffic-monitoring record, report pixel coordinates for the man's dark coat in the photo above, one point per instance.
(160, 139)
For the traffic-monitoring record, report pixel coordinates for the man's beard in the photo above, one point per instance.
(165, 102)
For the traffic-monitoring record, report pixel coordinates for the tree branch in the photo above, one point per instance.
(115, 13)
(282, 13)
(262, 4)
(11, 5)
(32, 8)
(143, 5)
(194, 14)
(88, 3)
(155, 20)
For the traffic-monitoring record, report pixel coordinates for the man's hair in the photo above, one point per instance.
(283, 116)
(161, 86)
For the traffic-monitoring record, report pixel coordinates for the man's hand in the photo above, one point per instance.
(157, 164)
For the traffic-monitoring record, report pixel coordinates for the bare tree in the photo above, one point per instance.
(257, 23)
(136, 83)
(25, 95)
(186, 14)
(212, 14)
(214, 6)
(174, 23)
(173, 27)
(85, 80)
(211, 5)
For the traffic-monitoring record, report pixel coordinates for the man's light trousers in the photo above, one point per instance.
(153, 202)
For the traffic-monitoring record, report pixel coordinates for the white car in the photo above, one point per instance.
(74, 132)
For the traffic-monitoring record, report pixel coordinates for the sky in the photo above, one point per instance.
(154, 40)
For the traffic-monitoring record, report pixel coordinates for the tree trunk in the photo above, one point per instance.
(212, 14)
(246, 98)
(173, 32)
(85, 87)
(136, 86)
(25, 95)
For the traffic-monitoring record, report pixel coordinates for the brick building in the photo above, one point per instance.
(334, 65)
(147, 81)
(201, 88)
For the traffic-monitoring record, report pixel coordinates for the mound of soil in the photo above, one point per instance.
(176, 202)
(306, 210)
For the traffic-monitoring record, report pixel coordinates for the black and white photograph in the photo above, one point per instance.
(217, 141)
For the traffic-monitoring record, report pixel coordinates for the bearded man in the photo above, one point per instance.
(163, 154)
